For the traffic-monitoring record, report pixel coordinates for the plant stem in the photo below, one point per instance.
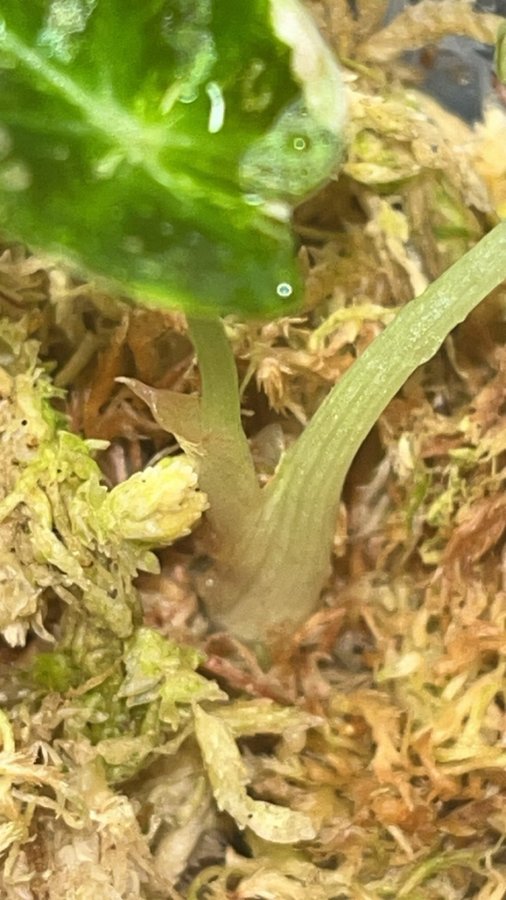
(325, 450)
(227, 474)
(276, 571)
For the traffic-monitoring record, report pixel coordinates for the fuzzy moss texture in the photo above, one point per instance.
(145, 758)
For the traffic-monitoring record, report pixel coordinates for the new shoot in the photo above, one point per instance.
(169, 164)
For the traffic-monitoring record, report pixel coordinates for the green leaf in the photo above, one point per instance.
(161, 143)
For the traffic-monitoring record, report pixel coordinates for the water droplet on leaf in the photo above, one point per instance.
(271, 164)
(284, 289)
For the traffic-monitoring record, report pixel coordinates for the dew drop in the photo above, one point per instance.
(299, 143)
(284, 289)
